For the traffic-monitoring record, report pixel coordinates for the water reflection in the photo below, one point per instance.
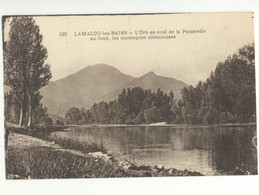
(207, 150)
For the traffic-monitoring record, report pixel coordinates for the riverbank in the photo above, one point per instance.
(30, 157)
(163, 124)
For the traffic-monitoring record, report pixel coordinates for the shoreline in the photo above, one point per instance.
(21, 145)
(165, 125)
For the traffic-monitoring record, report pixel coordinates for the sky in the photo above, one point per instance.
(188, 57)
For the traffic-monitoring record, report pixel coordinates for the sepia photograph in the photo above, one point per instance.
(129, 95)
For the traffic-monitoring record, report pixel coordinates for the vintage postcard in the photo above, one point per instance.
(129, 95)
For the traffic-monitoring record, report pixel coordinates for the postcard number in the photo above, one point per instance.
(62, 34)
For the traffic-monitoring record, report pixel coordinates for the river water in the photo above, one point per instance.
(208, 150)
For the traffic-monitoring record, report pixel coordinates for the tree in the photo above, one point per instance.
(59, 123)
(73, 115)
(46, 121)
(103, 112)
(24, 63)
(151, 115)
(228, 95)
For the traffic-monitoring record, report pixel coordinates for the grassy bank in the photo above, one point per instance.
(44, 133)
(47, 163)
(30, 157)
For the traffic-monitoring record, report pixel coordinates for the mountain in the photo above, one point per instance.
(100, 83)
(82, 88)
(153, 82)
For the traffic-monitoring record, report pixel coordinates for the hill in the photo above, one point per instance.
(82, 88)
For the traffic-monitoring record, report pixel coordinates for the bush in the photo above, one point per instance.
(46, 121)
(59, 123)
(208, 118)
(85, 147)
(151, 115)
(129, 119)
(140, 118)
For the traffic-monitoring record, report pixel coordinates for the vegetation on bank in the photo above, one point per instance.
(44, 133)
(227, 96)
(48, 163)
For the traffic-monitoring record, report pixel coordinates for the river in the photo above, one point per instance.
(208, 150)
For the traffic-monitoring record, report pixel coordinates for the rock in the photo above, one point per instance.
(100, 155)
(96, 154)
(124, 164)
(170, 171)
(154, 169)
(13, 176)
(159, 168)
(111, 158)
(145, 168)
(127, 166)
(239, 172)
(134, 167)
(147, 174)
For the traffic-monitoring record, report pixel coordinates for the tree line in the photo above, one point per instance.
(133, 106)
(227, 96)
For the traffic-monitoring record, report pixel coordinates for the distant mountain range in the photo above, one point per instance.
(97, 83)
